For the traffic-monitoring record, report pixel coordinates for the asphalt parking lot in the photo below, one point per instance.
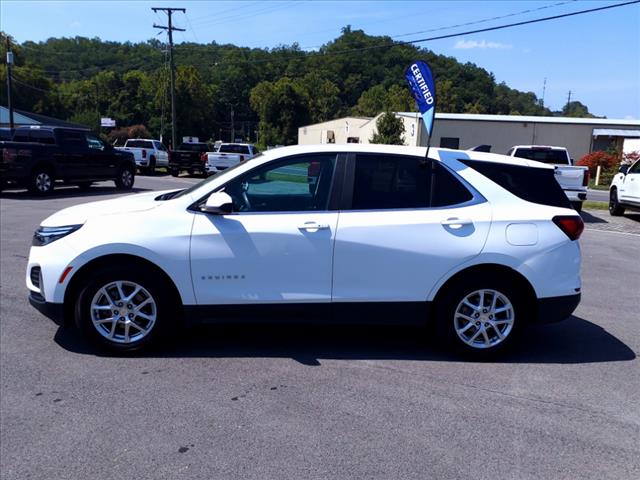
(322, 402)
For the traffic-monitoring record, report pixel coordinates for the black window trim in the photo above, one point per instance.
(349, 181)
(335, 190)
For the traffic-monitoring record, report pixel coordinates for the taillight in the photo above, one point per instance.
(203, 157)
(313, 170)
(586, 178)
(144, 153)
(9, 155)
(242, 158)
(571, 225)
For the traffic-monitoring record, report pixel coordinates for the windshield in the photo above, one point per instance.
(138, 144)
(543, 155)
(216, 176)
(194, 147)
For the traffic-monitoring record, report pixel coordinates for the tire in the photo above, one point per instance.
(84, 186)
(475, 332)
(174, 172)
(138, 301)
(577, 206)
(41, 181)
(615, 210)
(125, 178)
(151, 169)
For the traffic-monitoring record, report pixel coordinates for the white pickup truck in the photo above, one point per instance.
(573, 179)
(148, 154)
(228, 155)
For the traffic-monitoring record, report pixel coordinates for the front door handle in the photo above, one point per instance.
(456, 223)
(313, 226)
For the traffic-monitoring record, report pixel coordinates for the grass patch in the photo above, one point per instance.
(591, 205)
(593, 186)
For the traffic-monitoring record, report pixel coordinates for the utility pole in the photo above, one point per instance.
(568, 100)
(544, 88)
(9, 66)
(170, 28)
(233, 127)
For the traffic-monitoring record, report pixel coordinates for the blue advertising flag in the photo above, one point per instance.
(423, 88)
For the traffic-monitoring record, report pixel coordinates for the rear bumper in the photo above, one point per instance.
(53, 311)
(556, 309)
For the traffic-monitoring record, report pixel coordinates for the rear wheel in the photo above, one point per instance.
(151, 169)
(125, 310)
(125, 178)
(174, 172)
(577, 206)
(614, 207)
(41, 181)
(480, 317)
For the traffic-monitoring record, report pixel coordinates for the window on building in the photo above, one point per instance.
(450, 142)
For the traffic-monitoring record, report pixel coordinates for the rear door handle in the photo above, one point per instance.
(313, 226)
(456, 223)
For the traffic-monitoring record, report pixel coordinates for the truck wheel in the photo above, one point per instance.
(151, 169)
(41, 181)
(174, 172)
(614, 207)
(125, 178)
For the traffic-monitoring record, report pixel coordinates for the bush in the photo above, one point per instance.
(607, 161)
(120, 135)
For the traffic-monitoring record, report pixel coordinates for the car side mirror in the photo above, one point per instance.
(218, 203)
(624, 169)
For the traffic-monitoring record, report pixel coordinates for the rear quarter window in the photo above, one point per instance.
(536, 185)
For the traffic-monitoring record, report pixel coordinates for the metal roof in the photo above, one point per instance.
(608, 132)
(529, 119)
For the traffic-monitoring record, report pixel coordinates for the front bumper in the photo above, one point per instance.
(556, 309)
(53, 311)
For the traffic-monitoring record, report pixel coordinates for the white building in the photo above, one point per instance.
(460, 130)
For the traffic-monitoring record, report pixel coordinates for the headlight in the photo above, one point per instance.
(46, 235)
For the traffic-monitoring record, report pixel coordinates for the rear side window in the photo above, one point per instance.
(43, 136)
(72, 139)
(558, 157)
(536, 185)
(392, 182)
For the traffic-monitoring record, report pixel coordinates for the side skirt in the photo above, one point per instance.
(385, 313)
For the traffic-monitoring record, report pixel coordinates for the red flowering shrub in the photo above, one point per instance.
(606, 160)
(631, 157)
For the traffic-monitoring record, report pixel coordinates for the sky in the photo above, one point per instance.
(596, 56)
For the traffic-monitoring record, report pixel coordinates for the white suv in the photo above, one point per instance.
(624, 191)
(482, 243)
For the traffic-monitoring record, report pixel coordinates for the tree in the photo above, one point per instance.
(576, 109)
(390, 130)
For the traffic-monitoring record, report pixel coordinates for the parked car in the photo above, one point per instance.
(228, 155)
(188, 157)
(37, 156)
(480, 243)
(624, 192)
(574, 180)
(148, 154)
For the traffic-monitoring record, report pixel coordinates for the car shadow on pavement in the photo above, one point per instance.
(573, 341)
(588, 217)
(69, 192)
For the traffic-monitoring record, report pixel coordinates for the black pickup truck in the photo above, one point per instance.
(37, 156)
(188, 157)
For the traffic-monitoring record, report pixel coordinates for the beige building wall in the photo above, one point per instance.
(333, 131)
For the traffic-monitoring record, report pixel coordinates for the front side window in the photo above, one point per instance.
(94, 143)
(635, 168)
(300, 184)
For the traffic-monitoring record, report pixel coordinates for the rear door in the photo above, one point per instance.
(101, 163)
(407, 222)
(71, 158)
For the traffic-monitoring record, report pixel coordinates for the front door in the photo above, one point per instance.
(277, 246)
(630, 190)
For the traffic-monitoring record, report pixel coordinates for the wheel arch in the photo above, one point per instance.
(80, 277)
(504, 271)
(47, 164)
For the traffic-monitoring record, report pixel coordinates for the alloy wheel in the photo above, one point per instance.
(43, 182)
(484, 318)
(123, 312)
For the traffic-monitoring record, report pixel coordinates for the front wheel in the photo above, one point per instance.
(124, 310)
(614, 207)
(480, 318)
(125, 178)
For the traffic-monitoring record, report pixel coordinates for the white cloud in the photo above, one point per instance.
(467, 44)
